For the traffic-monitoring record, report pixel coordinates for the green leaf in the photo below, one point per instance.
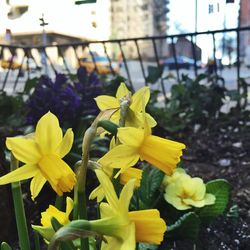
(150, 185)
(154, 73)
(221, 189)
(31, 83)
(5, 246)
(186, 227)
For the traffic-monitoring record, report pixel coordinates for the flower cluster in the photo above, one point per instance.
(66, 99)
(131, 142)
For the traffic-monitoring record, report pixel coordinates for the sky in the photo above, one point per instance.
(182, 20)
(183, 13)
(65, 17)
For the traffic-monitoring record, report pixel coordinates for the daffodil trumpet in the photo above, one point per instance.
(138, 144)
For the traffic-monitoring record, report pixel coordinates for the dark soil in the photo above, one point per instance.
(222, 151)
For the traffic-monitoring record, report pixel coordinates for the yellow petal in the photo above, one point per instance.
(126, 195)
(194, 203)
(22, 173)
(140, 99)
(69, 205)
(131, 136)
(107, 102)
(131, 173)
(209, 199)
(25, 150)
(97, 193)
(134, 119)
(172, 195)
(199, 187)
(66, 143)
(36, 184)
(121, 156)
(108, 188)
(149, 226)
(150, 121)
(122, 91)
(112, 143)
(48, 133)
(51, 212)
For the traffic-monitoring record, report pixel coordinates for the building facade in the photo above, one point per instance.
(244, 21)
(139, 18)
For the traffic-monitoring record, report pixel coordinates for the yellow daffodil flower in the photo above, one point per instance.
(185, 192)
(131, 173)
(46, 230)
(42, 155)
(141, 144)
(121, 228)
(137, 105)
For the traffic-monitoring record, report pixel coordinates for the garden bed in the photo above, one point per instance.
(223, 152)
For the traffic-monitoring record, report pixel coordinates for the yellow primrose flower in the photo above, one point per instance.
(46, 230)
(178, 172)
(131, 173)
(42, 155)
(138, 104)
(141, 144)
(187, 192)
(121, 228)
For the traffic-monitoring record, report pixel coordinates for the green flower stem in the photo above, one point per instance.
(75, 209)
(82, 214)
(37, 240)
(19, 209)
(81, 177)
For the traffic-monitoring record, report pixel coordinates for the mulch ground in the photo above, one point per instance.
(222, 151)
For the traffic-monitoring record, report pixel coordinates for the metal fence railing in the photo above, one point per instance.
(22, 62)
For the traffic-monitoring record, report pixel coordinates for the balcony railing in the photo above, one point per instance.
(13, 74)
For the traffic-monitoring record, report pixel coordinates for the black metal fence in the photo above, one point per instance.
(36, 60)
